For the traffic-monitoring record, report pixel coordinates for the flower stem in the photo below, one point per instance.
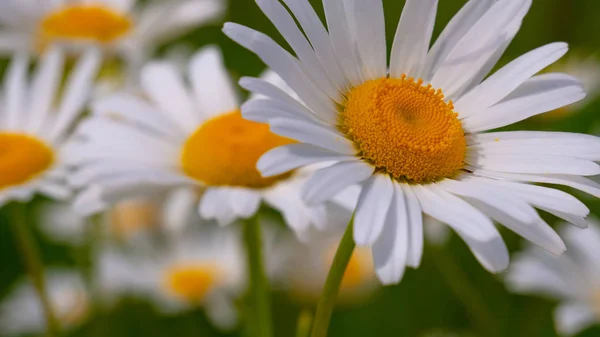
(305, 319)
(33, 263)
(465, 291)
(261, 308)
(333, 283)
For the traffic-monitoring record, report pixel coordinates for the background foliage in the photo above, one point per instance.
(423, 304)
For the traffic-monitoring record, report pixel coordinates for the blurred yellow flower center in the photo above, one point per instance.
(355, 272)
(89, 22)
(405, 129)
(596, 302)
(191, 282)
(359, 270)
(22, 158)
(131, 217)
(225, 149)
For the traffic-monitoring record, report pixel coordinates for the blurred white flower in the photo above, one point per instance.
(198, 269)
(184, 136)
(304, 266)
(21, 312)
(131, 221)
(573, 279)
(129, 28)
(34, 128)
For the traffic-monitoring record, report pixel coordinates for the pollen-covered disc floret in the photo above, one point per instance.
(191, 282)
(85, 22)
(22, 158)
(225, 149)
(405, 129)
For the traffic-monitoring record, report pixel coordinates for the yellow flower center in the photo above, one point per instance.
(225, 149)
(22, 158)
(405, 129)
(89, 22)
(130, 217)
(191, 282)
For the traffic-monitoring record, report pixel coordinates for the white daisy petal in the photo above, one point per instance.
(288, 202)
(519, 210)
(510, 77)
(522, 163)
(312, 133)
(460, 24)
(324, 184)
(136, 111)
(44, 88)
(372, 209)
(478, 45)
(259, 86)
(537, 95)
(262, 110)
(542, 197)
(319, 39)
(342, 41)
(581, 183)
(415, 227)
(284, 22)
(165, 87)
(544, 143)
(542, 274)
(244, 202)
(573, 317)
(213, 90)
(413, 35)
(77, 92)
(390, 251)
(285, 65)
(370, 37)
(15, 88)
(288, 157)
(576, 220)
(536, 231)
(475, 228)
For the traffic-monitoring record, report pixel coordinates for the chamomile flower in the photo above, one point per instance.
(199, 269)
(21, 312)
(131, 28)
(180, 136)
(573, 279)
(413, 132)
(34, 130)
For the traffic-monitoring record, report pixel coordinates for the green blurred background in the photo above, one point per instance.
(424, 304)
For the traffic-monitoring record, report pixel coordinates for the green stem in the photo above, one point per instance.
(463, 289)
(305, 319)
(32, 260)
(333, 282)
(261, 308)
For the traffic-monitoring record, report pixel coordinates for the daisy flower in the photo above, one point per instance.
(182, 136)
(131, 28)
(573, 279)
(413, 132)
(21, 312)
(34, 130)
(199, 269)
